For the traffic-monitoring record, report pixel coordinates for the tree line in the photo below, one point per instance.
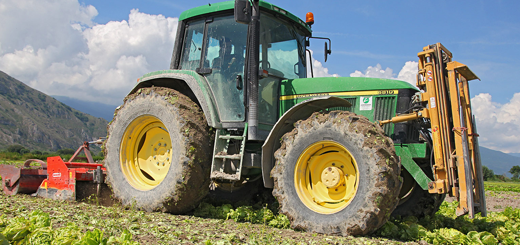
(489, 175)
(18, 152)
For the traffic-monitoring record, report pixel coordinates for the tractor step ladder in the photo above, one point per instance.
(227, 162)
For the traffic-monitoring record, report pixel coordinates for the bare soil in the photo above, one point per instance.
(497, 201)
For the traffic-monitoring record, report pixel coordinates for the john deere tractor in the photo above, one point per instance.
(341, 154)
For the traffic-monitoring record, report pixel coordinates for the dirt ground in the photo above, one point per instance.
(497, 201)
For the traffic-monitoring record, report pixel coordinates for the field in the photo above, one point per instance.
(39, 221)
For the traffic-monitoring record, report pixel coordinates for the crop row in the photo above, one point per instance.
(502, 186)
(36, 228)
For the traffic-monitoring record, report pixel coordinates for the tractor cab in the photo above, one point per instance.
(217, 47)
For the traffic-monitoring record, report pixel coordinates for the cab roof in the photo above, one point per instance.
(230, 5)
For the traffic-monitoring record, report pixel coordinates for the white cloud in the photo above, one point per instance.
(318, 69)
(498, 124)
(408, 73)
(55, 47)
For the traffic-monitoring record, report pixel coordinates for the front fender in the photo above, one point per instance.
(301, 110)
(178, 80)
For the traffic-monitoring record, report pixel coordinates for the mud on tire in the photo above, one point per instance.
(158, 152)
(300, 180)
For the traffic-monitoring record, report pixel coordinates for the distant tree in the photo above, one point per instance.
(515, 171)
(501, 177)
(488, 173)
(37, 152)
(23, 151)
(15, 148)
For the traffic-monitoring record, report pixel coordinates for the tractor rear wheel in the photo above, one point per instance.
(336, 173)
(158, 152)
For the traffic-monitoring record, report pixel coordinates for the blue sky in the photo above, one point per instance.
(95, 50)
(485, 35)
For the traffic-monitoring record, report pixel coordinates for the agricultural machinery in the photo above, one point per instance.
(341, 154)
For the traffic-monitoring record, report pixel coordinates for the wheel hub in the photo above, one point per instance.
(332, 177)
(326, 177)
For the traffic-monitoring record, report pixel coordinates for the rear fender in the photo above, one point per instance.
(188, 83)
(285, 124)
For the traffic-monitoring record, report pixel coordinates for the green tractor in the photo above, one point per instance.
(236, 108)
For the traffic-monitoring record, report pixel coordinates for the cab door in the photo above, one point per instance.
(215, 48)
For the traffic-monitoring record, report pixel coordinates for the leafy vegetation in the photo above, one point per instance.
(67, 219)
(36, 228)
(502, 186)
(29, 220)
(446, 228)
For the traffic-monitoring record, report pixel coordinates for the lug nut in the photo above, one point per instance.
(159, 144)
(333, 164)
(157, 163)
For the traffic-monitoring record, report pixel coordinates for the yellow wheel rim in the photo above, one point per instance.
(146, 152)
(326, 177)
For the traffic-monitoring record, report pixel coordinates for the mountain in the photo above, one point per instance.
(39, 122)
(498, 161)
(514, 154)
(93, 108)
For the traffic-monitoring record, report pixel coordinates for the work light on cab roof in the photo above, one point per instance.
(309, 18)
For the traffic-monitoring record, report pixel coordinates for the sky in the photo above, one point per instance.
(95, 50)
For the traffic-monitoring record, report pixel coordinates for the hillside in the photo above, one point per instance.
(39, 122)
(498, 161)
(93, 108)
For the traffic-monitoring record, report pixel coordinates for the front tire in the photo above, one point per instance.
(336, 173)
(158, 152)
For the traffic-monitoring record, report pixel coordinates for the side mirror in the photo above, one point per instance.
(327, 51)
(242, 11)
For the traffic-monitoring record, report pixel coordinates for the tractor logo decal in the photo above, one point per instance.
(366, 104)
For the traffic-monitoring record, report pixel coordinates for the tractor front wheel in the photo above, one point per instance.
(336, 173)
(158, 152)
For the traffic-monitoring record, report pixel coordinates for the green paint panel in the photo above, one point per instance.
(373, 98)
(338, 84)
(229, 5)
(409, 151)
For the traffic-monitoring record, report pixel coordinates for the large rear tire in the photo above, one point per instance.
(158, 152)
(336, 173)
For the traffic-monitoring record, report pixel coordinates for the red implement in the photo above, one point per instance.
(26, 179)
(55, 179)
(63, 176)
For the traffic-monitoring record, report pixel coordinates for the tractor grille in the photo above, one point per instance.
(343, 108)
(384, 109)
